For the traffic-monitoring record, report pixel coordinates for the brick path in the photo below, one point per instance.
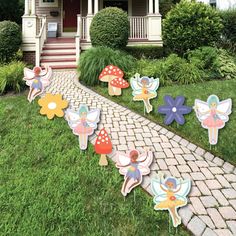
(212, 206)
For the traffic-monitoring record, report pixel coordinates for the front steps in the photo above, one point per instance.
(59, 53)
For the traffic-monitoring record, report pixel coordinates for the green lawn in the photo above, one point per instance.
(192, 130)
(49, 187)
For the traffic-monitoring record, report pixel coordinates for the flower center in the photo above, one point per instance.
(52, 105)
(174, 109)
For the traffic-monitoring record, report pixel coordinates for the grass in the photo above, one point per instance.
(192, 130)
(49, 187)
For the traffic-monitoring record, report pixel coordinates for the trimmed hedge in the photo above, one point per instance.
(10, 40)
(149, 52)
(11, 77)
(110, 28)
(94, 60)
(190, 25)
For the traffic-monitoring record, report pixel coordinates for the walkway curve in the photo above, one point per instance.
(212, 201)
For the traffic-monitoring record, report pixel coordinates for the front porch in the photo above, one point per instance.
(74, 19)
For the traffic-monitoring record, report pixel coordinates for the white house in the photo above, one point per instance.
(73, 19)
(221, 4)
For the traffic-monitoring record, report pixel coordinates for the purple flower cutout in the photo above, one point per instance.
(174, 109)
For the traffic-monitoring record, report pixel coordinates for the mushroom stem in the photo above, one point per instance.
(103, 160)
(117, 91)
(110, 89)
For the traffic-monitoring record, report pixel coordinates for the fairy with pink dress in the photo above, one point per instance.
(213, 115)
(83, 123)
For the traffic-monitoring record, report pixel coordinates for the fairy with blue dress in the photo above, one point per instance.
(37, 79)
(133, 166)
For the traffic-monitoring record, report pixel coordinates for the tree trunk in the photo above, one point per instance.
(103, 160)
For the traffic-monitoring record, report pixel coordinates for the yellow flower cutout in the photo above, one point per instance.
(52, 105)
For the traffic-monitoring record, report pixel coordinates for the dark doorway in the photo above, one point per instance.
(120, 4)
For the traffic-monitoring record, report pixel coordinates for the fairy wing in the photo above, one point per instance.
(154, 85)
(226, 108)
(46, 79)
(184, 189)
(122, 163)
(93, 118)
(145, 160)
(201, 108)
(135, 86)
(28, 76)
(160, 194)
(72, 118)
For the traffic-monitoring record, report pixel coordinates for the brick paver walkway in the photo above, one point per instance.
(212, 206)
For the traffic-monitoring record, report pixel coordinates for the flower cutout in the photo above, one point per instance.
(52, 105)
(174, 109)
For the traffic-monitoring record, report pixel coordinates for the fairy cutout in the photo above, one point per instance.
(133, 166)
(37, 79)
(170, 194)
(213, 115)
(83, 123)
(144, 89)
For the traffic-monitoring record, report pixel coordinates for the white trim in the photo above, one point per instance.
(48, 4)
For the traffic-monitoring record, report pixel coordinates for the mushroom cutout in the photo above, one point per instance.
(118, 84)
(108, 74)
(103, 146)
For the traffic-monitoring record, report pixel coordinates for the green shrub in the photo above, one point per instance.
(149, 52)
(228, 38)
(190, 25)
(10, 40)
(171, 70)
(11, 77)
(94, 60)
(110, 28)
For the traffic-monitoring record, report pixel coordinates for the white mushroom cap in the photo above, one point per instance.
(110, 72)
(119, 83)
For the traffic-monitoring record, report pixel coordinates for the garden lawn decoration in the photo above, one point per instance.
(114, 77)
(37, 79)
(83, 123)
(52, 105)
(133, 166)
(144, 89)
(174, 109)
(213, 115)
(170, 194)
(103, 146)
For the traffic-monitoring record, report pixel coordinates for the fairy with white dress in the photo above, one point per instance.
(213, 115)
(170, 194)
(133, 166)
(37, 79)
(83, 123)
(144, 89)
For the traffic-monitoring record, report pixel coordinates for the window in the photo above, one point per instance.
(48, 3)
(213, 3)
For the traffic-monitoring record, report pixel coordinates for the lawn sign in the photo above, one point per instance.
(213, 115)
(103, 146)
(174, 109)
(37, 79)
(170, 194)
(133, 166)
(144, 89)
(114, 77)
(83, 123)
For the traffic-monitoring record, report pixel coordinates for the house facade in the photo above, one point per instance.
(220, 4)
(72, 20)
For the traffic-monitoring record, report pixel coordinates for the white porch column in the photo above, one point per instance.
(150, 7)
(95, 7)
(156, 6)
(33, 7)
(26, 7)
(90, 7)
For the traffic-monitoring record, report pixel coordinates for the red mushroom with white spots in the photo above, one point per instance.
(103, 146)
(118, 84)
(110, 73)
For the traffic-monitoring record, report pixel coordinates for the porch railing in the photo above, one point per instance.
(40, 39)
(138, 27)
